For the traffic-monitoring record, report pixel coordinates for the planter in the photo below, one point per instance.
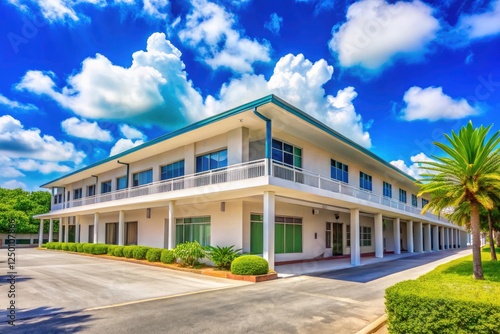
(253, 278)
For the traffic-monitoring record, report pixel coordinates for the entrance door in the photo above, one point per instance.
(91, 234)
(336, 238)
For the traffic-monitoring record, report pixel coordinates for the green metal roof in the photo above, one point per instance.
(247, 106)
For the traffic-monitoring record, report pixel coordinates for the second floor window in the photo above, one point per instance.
(424, 202)
(387, 190)
(77, 193)
(414, 201)
(121, 183)
(142, 178)
(173, 170)
(287, 154)
(339, 171)
(402, 195)
(91, 190)
(105, 187)
(365, 181)
(211, 161)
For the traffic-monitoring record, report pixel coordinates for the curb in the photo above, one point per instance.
(374, 326)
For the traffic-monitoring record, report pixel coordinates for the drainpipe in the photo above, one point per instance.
(269, 138)
(64, 197)
(128, 169)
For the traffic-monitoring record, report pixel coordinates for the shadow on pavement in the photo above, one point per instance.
(371, 272)
(47, 320)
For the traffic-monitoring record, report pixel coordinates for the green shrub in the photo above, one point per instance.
(49, 245)
(249, 265)
(58, 245)
(100, 249)
(88, 248)
(79, 248)
(72, 246)
(65, 246)
(189, 253)
(139, 252)
(128, 251)
(118, 251)
(154, 254)
(222, 257)
(167, 256)
(111, 248)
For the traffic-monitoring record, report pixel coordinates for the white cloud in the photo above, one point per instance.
(319, 5)
(432, 104)
(274, 23)
(484, 24)
(300, 82)
(30, 165)
(17, 142)
(6, 168)
(131, 133)
(209, 30)
(376, 33)
(13, 184)
(16, 105)
(85, 129)
(414, 169)
(153, 90)
(156, 8)
(124, 144)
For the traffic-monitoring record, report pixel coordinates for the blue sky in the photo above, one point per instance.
(85, 79)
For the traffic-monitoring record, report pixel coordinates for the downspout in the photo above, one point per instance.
(269, 138)
(128, 169)
(64, 197)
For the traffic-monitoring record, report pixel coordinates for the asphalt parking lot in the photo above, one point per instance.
(54, 281)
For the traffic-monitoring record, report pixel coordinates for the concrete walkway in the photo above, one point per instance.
(317, 267)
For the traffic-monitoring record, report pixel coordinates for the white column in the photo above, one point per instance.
(419, 244)
(428, 244)
(269, 220)
(435, 238)
(355, 247)
(77, 228)
(40, 237)
(379, 236)
(96, 227)
(60, 229)
(441, 237)
(396, 224)
(51, 230)
(121, 218)
(66, 230)
(409, 236)
(171, 225)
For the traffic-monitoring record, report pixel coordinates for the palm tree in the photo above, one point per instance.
(466, 177)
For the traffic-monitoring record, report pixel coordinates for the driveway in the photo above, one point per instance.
(55, 281)
(341, 301)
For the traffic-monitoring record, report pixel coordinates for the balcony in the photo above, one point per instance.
(246, 171)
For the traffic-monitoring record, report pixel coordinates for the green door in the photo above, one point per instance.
(337, 239)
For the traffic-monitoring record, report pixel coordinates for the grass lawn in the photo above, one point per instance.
(448, 300)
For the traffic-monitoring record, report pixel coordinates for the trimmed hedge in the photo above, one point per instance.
(128, 252)
(79, 248)
(88, 248)
(167, 256)
(64, 246)
(72, 246)
(58, 246)
(111, 248)
(249, 265)
(154, 254)
(139, 252)
(447, 300)
(118, 251)
(100, 249)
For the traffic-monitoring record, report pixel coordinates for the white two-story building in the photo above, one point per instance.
(264, 177)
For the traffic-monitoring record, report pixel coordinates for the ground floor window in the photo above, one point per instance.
(131, 233)
(287, 234)
(193, 229)
(91, 234)
(112, 233)
(365, 235)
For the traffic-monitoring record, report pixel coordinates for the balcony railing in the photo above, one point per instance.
(245, 171)
(232, 173)
(318, 181)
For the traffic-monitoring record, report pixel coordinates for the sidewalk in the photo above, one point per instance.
(317, 267)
